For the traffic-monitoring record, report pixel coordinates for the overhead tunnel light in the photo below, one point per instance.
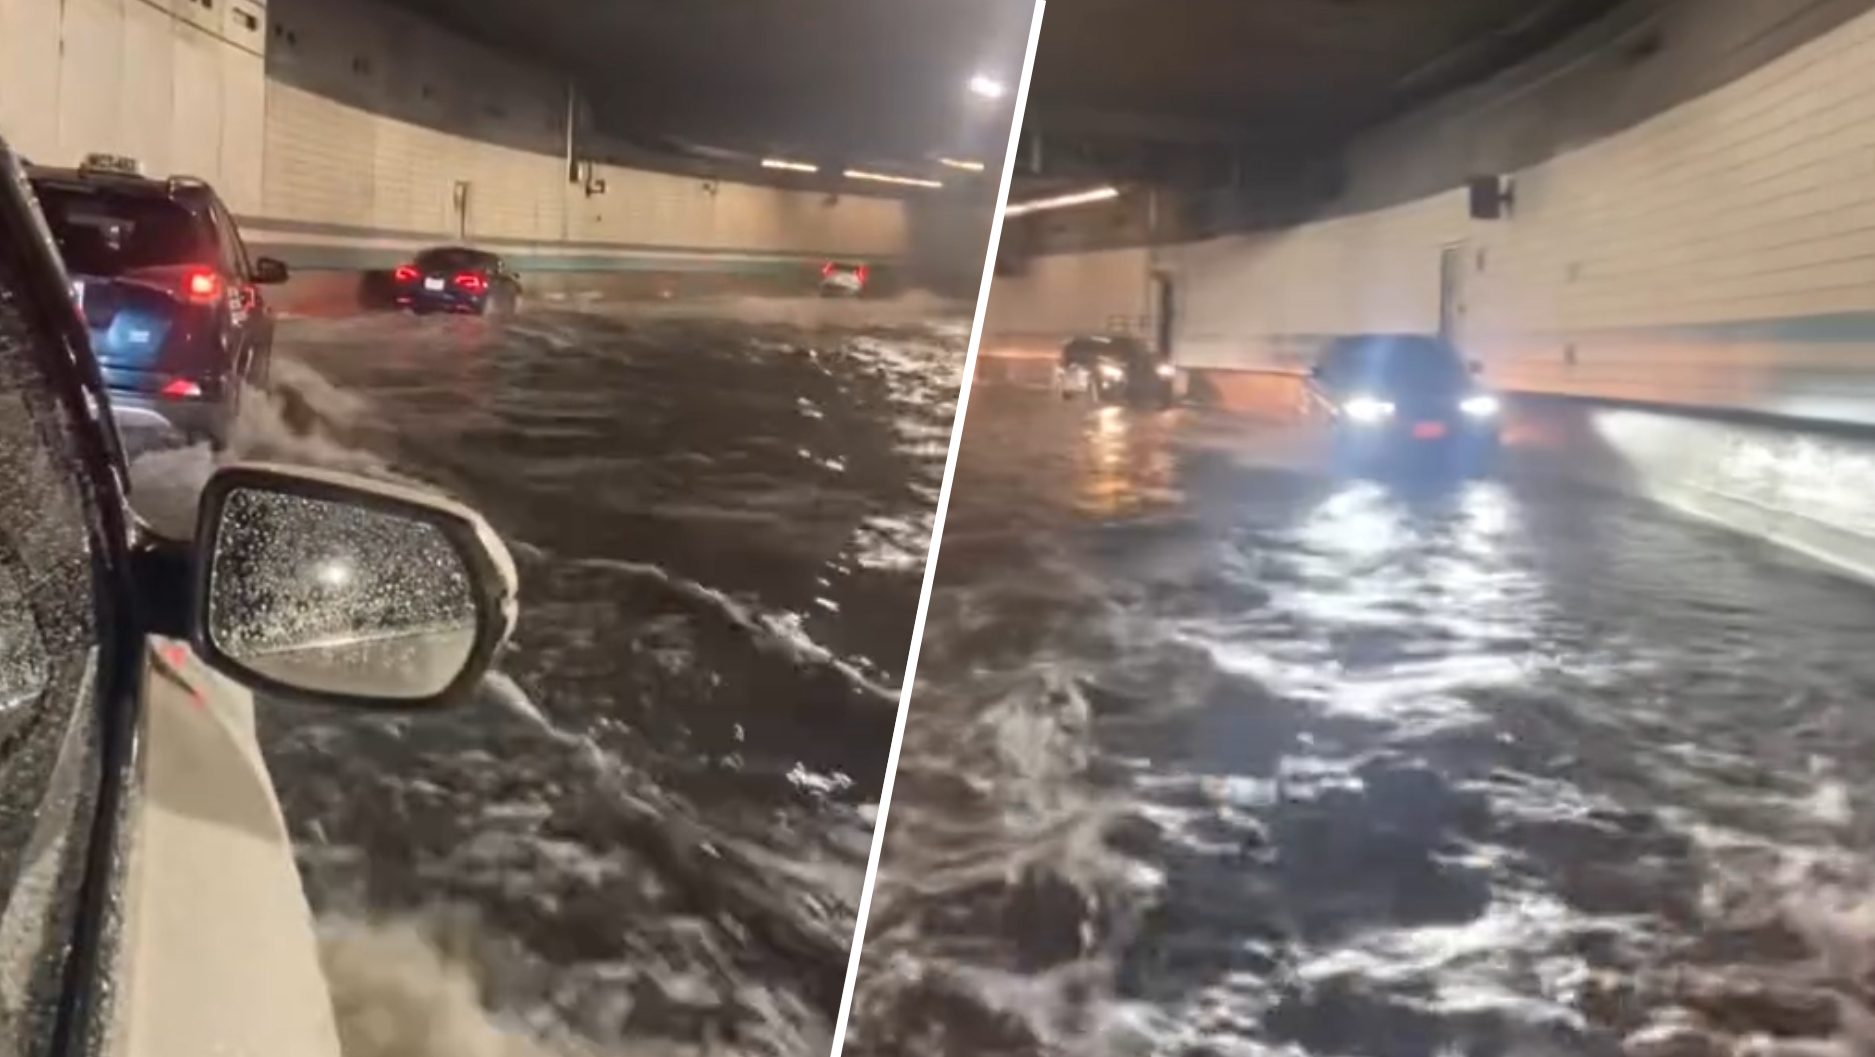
(791, 166)
(987, 87)
(958, 163)
(887, 178)
(1079, 198)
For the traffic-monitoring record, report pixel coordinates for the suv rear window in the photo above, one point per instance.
(106, 233)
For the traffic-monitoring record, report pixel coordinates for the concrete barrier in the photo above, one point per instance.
(339, 270)
(334, 292)
(340, 292)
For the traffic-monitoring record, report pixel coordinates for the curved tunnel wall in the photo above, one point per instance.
(338, 131)
(1718, 253)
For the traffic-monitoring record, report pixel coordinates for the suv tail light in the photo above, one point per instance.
(406, 273)
(826, 272)
(472, 281)
(191, 284)
(182, 387)
(861, 272)
(202, 286)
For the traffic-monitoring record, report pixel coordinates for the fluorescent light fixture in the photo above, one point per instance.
(887, 178)
(958, 163)
(1079, 198)
(987, 87)
(791, 166)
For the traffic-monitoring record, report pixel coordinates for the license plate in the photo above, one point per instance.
(1428, 430)
(432, 284)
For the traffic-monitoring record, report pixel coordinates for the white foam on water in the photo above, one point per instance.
(923, 375)
(781, 631)
(395, 993)
(301, 421)
(915, 308)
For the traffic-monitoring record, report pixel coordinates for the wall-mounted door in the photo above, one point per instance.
(459, 203)
(1451, 290)
(1164, 312)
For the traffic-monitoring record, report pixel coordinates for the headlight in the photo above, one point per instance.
(1480, 406)
(1166, 370)
(1367, 409)
(1111, 373)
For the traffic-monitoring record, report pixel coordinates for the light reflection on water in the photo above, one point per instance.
(1495, 768)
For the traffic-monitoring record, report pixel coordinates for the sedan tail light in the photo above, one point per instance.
(182, 387)
(472, 281)
(406, 273)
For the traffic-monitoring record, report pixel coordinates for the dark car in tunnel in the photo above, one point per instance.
(457, 279)
(176, 309)
(1393, 399)
(1116, 369)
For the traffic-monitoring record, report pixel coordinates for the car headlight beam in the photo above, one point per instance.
(1366, 409)
(1481, 406)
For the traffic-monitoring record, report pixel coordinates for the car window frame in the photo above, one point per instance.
(93, 449)
(230, 235)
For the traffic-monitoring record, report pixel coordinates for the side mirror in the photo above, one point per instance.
(270, 272)
(340, 590)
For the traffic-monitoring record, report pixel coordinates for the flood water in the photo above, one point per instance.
(650, 831)
(1212, 753)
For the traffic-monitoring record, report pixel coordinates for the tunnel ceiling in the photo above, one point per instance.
(857, 81)
(1204, 86)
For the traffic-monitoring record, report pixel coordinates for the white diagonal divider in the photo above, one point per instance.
(937, 535)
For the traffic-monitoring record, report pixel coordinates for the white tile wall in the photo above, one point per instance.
(337, 152)
(1754, 202)
(129, 76)
(186, 89)
(1070, 294)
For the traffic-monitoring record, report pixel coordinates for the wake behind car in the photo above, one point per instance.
(167, 289)
(1389, 398)
(458, 279)
(1115, 369)
(839, 279)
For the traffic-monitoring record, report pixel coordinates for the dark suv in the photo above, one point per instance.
(167, 289)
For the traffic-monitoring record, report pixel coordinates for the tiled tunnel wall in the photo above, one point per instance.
(338, 130)
(1720, 252)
